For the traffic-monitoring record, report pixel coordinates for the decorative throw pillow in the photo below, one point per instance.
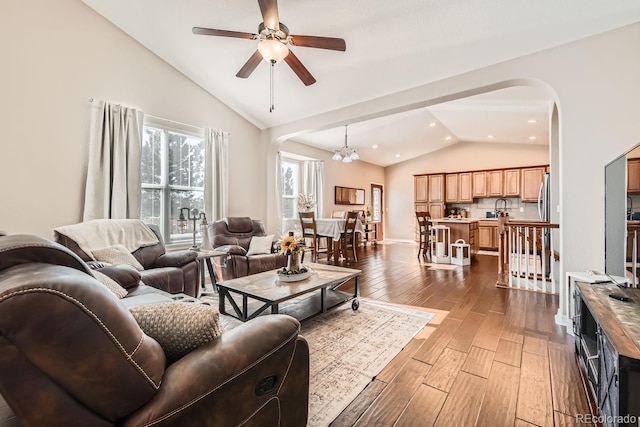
(117, 254)
(111, 284)
(179, 327)
(260, 245)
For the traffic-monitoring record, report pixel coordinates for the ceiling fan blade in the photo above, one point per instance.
(250, 65)
(269, 10)
(300, 70)
(223, 33)
(319, 42)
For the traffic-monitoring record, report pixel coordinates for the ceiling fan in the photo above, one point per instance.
(274, 39)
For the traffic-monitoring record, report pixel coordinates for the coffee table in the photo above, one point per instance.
(267, 289)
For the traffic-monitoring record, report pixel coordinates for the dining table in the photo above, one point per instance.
(326, 227)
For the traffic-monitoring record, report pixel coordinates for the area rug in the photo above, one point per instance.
(349, 348)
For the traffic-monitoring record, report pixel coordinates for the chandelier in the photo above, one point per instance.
(346, 154)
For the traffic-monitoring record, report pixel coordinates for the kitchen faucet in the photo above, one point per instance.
(504, 205)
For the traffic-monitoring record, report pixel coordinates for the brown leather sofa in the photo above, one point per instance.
(173, 272)
(71, 354)
(233, 236)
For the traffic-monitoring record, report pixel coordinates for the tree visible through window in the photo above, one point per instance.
(289, 189)
(173, 167)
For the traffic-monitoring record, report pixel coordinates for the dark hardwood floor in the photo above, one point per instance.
(491, 357)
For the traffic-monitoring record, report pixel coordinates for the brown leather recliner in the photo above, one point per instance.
(72, 354)
(233, 235)
(173, 272)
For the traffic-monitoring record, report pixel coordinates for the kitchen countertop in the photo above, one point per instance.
(456, 220)
(471, 220)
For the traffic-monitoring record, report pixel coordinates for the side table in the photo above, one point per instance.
(204, 257)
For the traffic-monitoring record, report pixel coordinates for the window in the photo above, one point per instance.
(173, 169)
(290, 177)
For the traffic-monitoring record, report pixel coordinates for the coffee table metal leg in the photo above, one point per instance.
(221, 307)
(323, 300)
(274, 308)
(245, 307)
(212, 275)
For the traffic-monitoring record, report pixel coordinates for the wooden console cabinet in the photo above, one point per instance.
(608, 348)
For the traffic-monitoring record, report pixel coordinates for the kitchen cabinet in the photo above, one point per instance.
(465, 193)
(458, 187)
(495, 183)
(436, 210)
(451, 188)
(488, 235)
(531, 179)
(479, 184)
(436, 188)
(633, 176)
(511, 183)
(420, 188)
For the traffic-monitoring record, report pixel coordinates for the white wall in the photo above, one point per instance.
(463, 156)
(56, 54)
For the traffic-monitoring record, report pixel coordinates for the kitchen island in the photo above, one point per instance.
(462, 228)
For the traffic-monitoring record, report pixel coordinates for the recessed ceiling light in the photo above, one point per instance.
(532, 121)
(432, 124)
(490, 136)
(374, 146)
(397, 155)
(448, 138)
(532, 138)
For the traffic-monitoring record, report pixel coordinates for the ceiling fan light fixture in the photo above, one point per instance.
(273, 50)
(336, 155)
(347, 159)
(354, 155)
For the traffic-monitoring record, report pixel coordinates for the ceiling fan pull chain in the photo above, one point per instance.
(272, 107)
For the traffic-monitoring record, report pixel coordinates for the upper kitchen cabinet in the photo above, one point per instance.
(512, 183)
(479, 184)
(451, 188)
(495, 183)
(458, 188)
(633, 176)
(465, 193)
(531, 178)
(420, 188)
(436, 188)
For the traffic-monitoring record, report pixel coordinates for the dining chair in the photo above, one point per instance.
(309, 231)
(338, 214)
(348, 241)
(424, 233)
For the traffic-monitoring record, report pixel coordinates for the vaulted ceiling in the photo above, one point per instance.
(391, 46)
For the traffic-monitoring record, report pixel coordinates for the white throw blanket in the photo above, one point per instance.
(103, 233)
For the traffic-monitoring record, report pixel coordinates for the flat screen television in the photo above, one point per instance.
(622, 216)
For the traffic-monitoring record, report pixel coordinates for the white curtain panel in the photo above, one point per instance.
(313, 182)
(216, 185)
(279, 193)
(113, 174)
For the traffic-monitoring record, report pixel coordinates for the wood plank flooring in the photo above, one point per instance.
(492, 357)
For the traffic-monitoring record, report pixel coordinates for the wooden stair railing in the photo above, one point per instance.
(526, 255)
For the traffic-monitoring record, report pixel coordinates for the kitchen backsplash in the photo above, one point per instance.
(480, 207)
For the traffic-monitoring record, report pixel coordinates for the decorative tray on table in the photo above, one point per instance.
(286, 276)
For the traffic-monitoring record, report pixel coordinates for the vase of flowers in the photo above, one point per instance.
(306, 202)
(292, 247)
